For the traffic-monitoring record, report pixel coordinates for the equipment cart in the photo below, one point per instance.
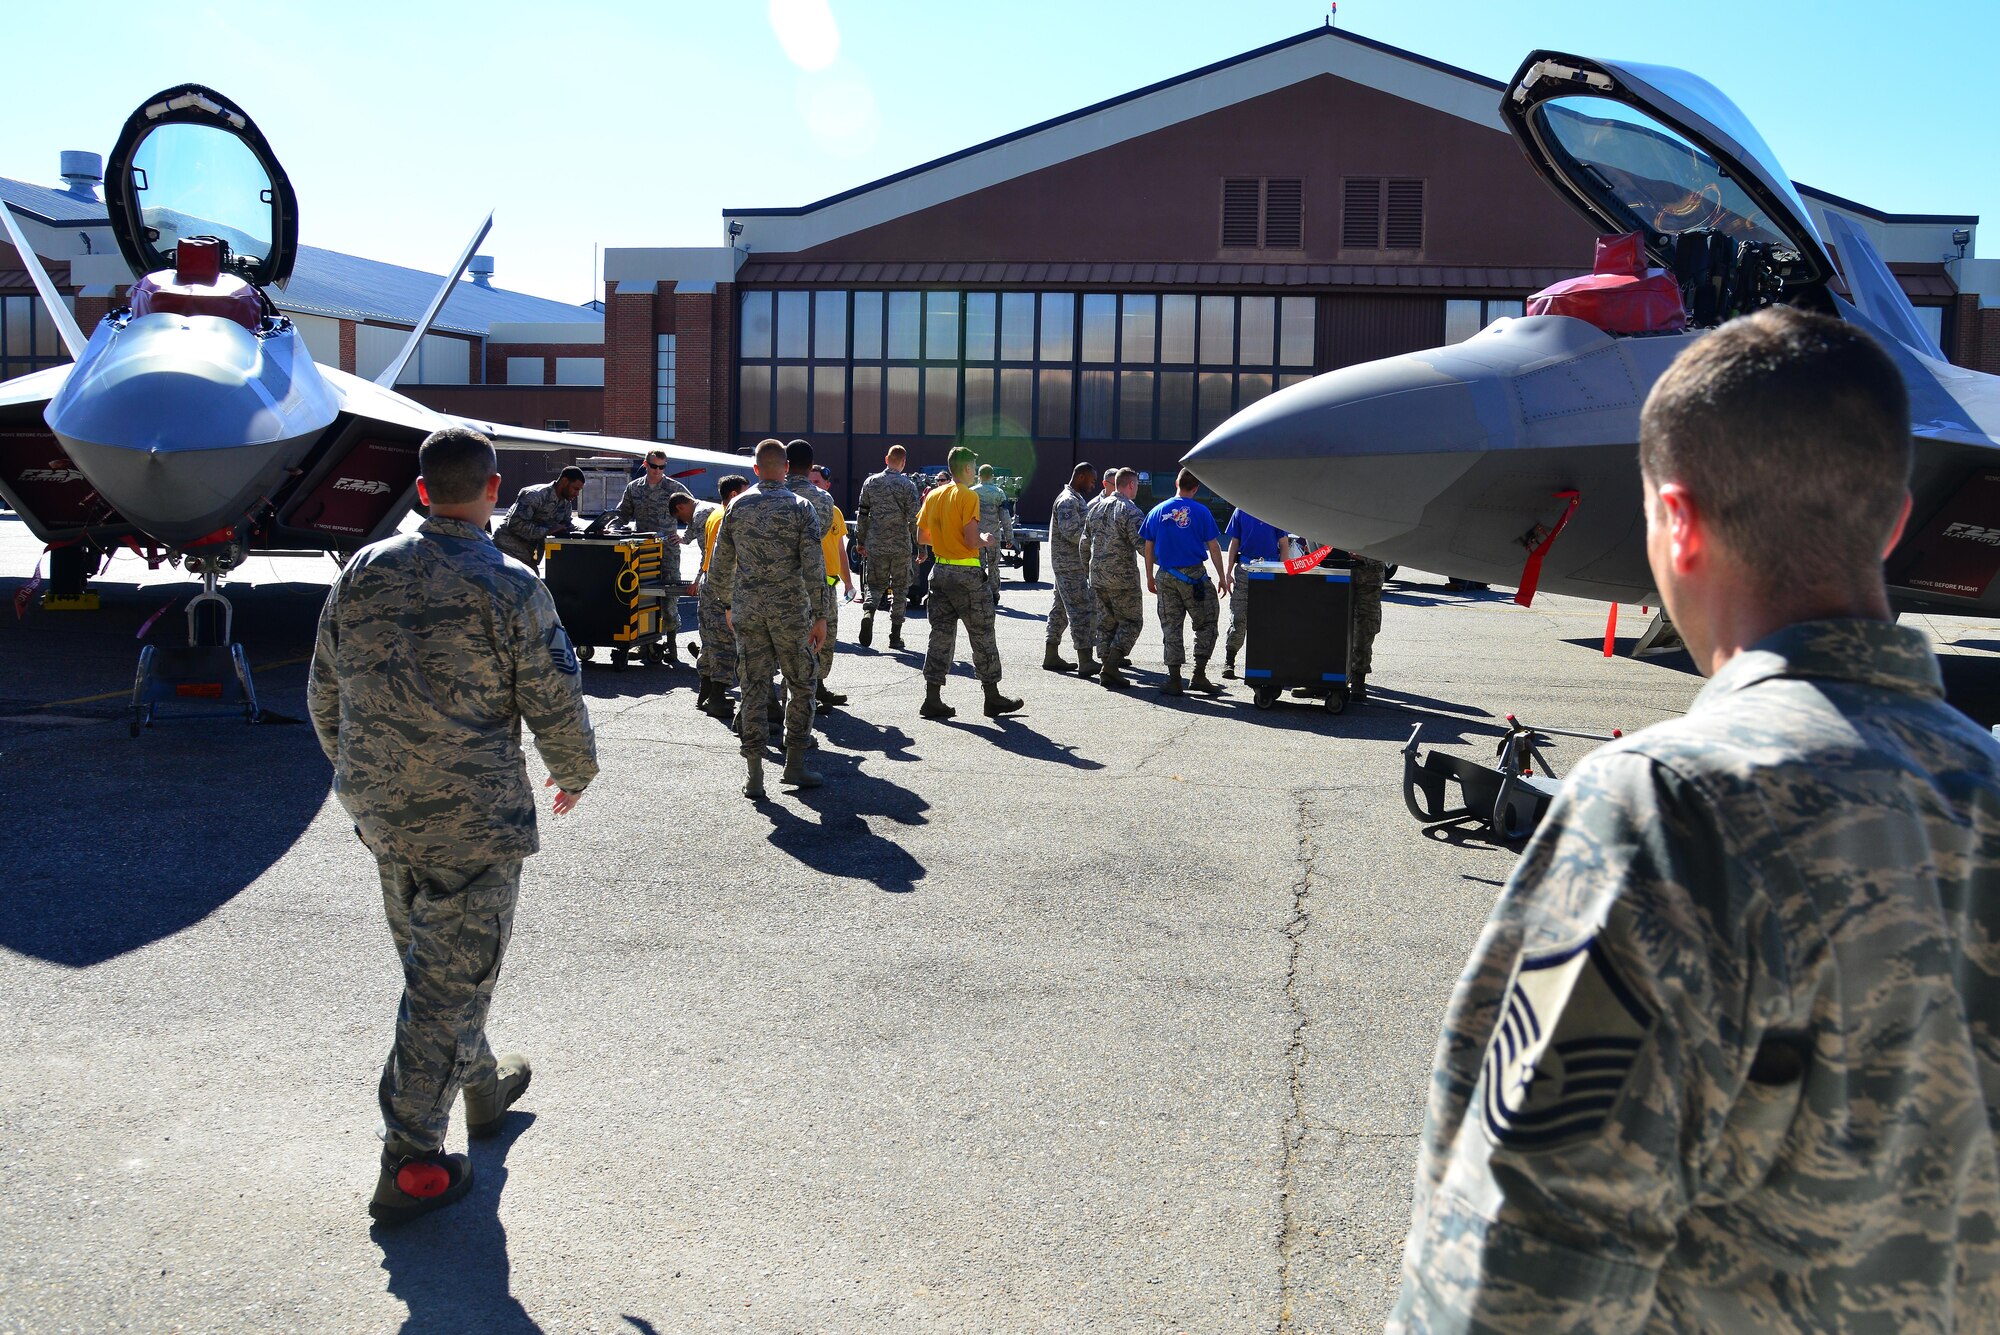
(1301, 631)
(609, 596)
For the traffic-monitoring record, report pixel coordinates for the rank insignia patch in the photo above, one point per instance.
(561, 652)
(1569, 1034)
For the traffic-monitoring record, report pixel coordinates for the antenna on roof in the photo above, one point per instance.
(1332, 12)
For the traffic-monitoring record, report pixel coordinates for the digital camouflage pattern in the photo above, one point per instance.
(961, 593)
(826, 602)
(537, 512)
(767, 569)
(991, 498)
(451, 927)
(1239, 614)
(1179, 601)
(1367, 594)
(1727, 1055)
(1073, 610)
(433, 648)
(645, 507)
(718, 642)
(886, 528)
(1111, 546)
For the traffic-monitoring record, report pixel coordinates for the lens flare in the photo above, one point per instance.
(807, 32)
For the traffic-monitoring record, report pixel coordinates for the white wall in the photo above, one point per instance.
(527, 371)
(440, 360)
(579, 370)
(321, 335)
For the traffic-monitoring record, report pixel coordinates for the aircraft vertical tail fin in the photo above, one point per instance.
(66, 325)
(402, 359)
(1874, 290)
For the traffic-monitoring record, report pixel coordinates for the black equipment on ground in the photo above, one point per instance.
(609, 595)
(1301, 631)
(1510, 796)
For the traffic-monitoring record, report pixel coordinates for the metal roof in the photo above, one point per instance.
(1027, 274)
(328, 282)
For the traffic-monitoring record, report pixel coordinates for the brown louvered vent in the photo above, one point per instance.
(1361, 214)
(1284, 214)
(1239, 213)
(1406, 216)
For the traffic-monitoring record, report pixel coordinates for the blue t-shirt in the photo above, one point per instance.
(1256, 540)
(1180, 531)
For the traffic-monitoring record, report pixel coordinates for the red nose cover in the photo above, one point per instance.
(226, 296)
(1621, 297)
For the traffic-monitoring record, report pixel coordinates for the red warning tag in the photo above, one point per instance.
(1300, 564)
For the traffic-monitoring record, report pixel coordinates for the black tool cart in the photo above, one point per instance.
(1301, 631)
(608, 593)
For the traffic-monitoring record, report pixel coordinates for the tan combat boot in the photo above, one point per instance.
(486, 1106)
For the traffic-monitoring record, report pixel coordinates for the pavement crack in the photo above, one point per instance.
(1296, 1128)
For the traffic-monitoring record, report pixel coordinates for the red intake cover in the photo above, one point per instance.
(1621, 297)
(227, 296)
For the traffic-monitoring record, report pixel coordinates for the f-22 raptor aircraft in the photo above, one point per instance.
(193, 424)
(1465, 460)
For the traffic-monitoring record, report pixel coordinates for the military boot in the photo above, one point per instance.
(705, 694)
(934, 705)
(753, 787)
(1229, 668)
(1173, 685)
(1358, 692)
(1053, 661)
(896, 636)
(867, 629)
(998, 704)
(486, 1106)
(828, 699)
(1112, 677)
(413, 1183)
(1202, 683)
(719, 705)
(1086, 666)
(796, 774)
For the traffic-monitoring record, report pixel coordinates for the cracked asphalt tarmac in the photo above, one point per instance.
(1113, 1016)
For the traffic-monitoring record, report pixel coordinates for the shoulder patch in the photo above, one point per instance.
(561, 652)
(1569, 1034)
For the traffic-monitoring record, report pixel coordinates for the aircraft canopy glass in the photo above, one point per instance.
(199, 180)
(1643, 171)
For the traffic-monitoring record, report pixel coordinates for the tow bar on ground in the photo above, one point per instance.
(1510, 796)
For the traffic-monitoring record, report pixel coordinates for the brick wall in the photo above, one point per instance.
(347, 346)
(694, 368)
(629, 352)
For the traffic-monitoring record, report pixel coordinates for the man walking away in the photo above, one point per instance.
(1071, 609)
(1111, 544)
(991, 501)
(885, 534)
(1177, 532)
(538, 511)
(433, 649)
(833, 551)
(768, 575)
(798, 476)
(1727, 1055)
(717, 664)
(949, 525)
(1250, 539)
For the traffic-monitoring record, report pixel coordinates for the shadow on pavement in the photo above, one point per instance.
(1677, 661)
(851, 733)
(841, 843)
(450, 1268)
(1972, 684)
(1017, 738)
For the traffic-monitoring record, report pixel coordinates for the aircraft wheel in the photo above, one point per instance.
(1265, 696)
(1336, 700)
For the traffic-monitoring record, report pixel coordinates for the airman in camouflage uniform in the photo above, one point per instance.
(826, 604)
(1727, 1055)
(1071, 610)
(1111, 546)
(717, 664)
(1366, 587)
(992, 500)
(647, 505)
(886, 532)
(540, 510)
(767, 570)
(433, 648)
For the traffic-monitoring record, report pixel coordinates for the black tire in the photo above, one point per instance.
(652, 655)
(585, 654)
(1336, 700)
(1264, 696)
(1031, 562)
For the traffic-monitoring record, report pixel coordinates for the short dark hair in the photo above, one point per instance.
(730, 485)
(1081, 470)
(456, 463)
(1186, 481)
(1127, 475)
(960, 456)
(766, 447)
(678, 497)
(570, 474)
(799, 455)
(1792, 431)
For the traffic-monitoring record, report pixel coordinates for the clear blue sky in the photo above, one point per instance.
(634, 124)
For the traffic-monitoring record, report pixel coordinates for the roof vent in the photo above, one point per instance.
(82, 172)
(481, 270)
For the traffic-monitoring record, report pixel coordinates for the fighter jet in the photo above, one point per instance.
(1468, 460)
(193, 425)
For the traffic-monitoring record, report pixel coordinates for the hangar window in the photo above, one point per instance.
(664, 373)
(1382, 213)
(1467, 316)
(28, 337)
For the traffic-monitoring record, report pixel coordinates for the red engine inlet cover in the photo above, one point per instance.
(227, 296)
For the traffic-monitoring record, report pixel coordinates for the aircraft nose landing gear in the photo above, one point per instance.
(211, 671)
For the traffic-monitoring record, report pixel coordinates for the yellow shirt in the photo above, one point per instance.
(943, 519)
(708, 532)
(830, 545)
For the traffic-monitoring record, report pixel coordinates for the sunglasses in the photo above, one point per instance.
(651, 464)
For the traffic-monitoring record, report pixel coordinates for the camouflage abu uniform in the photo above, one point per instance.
(718, 642)
(767, 570)
(827, 602)
(645, 507)
(1727, 1055)
(432, 650)
(1072, 610)
(1111, 546)
(886, 528)
(537, 512)
(1367, 593)
(991, 498)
